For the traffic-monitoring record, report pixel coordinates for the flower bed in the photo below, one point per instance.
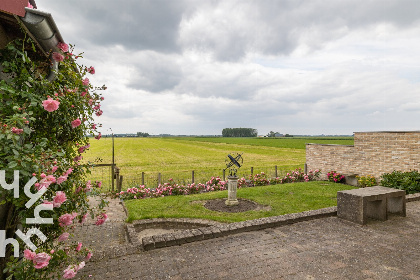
(214, 184)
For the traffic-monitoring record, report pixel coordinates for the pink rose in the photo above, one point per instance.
(97, 137)
(91, 70)
(65, 220)
(101, 218)
(59, 198)
(88, 256)
(63, 46)
(84, 218)
(80, 266)
(93, 126)
(61, 179)
(46, 202)
(41, 260)
(79, 247)
(29, 255)
(68, 172)
(58, 57)
(50, 104)
(69, 272)
(30, 6)
(99, 113)
(85, 81)
(76, 123)
(76, 159)
(47, 181)
(17, 130)
(63, 237)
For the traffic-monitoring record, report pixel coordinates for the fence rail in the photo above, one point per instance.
(117, 179)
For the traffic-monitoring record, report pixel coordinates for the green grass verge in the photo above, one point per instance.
(283, 199)
(283, 142)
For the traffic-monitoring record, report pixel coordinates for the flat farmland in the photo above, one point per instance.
(177, 157)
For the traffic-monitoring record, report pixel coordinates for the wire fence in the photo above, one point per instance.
(129, 177)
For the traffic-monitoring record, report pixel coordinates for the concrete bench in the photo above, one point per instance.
(359, 205)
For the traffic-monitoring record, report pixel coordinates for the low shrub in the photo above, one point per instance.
(335, 177)
(408, 181)
(366, 181)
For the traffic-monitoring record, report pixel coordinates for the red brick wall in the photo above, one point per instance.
(373, 153)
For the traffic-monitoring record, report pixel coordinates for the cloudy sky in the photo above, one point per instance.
(297, 67)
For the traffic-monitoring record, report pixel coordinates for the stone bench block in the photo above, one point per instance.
(359, 205)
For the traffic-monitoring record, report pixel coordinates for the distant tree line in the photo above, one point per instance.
(142, 134)
(239, 132)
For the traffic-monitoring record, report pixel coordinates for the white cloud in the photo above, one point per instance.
(195, 67)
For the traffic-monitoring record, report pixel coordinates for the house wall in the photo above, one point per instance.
(373, 153)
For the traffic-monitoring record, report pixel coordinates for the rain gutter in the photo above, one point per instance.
(43, 30)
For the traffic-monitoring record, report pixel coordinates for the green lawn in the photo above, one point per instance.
(177, 157)
(282, 142)
(283, 199)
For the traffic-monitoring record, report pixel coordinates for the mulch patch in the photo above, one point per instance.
(219, 205)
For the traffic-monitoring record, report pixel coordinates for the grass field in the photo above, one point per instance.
(177, 157)
(283, 199)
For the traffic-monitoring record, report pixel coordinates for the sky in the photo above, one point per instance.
(300, 67)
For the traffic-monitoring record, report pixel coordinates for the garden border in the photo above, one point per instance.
(212, 229)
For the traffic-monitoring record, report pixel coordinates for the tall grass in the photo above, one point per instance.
(177, 157)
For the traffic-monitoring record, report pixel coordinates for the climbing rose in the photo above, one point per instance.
(17, 130)
(102, 218)
(91, 70)
(50, 104)
(69, 272)
(75, 123)
(80, 266)
(59, 198)
(66, 220)
(63, 237)
(58, 57)
(47, 181)
(88, 256)
(85, 81)
(61, 179)
(79, 246)
(63, 46)
(41, 260)
(29, 255)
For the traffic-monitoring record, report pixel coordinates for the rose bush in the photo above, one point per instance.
(214, 184)
(43, 124)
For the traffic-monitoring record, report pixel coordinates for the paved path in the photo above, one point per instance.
(326, 248)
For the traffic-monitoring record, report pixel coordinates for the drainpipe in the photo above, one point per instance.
(42, 28)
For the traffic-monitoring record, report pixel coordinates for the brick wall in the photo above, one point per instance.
(373, 153)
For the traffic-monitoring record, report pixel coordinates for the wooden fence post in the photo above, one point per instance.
(120, 183)
(275, 168)
(159, 179)
(192, 175)
(224, 175)
(305, 169)
(112, 176)
(252, 172)
(117, 177)
(142, 178)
